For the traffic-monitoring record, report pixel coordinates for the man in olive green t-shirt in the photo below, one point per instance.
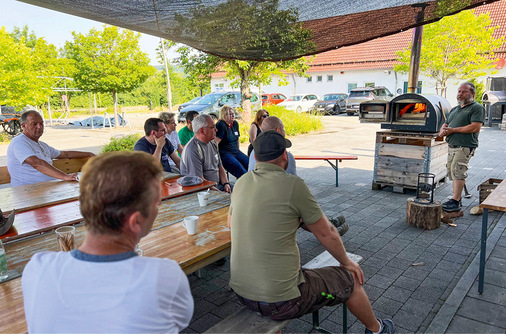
(186, 133)
(265, 213)
(461, 130)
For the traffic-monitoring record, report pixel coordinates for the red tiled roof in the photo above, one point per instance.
(380, 53)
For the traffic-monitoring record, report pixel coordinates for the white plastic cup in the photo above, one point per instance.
(190, 223)
(203, 198)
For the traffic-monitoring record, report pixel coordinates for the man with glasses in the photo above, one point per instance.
(169, 120)
(200, 155)
(156, 144)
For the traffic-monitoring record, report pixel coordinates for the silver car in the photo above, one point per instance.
(359, 95)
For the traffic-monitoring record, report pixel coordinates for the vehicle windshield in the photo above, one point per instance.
(210, 99)
(295, 98)
(330, 97)
(360, 93)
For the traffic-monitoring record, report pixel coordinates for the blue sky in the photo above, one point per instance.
(57, 27)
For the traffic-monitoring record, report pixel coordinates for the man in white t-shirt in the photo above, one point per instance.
(170, 125)
(104, 286)
(30, 160)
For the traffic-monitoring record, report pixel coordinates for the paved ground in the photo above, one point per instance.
(440, 296)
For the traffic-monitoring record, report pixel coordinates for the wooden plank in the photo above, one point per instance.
(70, 165)
(326, 157)
(246, 321)
(402, 151)
(11, 307)
(400, 164)
(4, 175)
(49, 218)
(325, 259)
(497, 199)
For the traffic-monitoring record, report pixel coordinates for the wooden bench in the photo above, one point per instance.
(245, 320)
(329, 159)
(65, 165)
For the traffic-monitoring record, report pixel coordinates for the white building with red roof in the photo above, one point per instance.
(371, 64)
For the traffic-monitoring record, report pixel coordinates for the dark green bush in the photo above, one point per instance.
(125, 143)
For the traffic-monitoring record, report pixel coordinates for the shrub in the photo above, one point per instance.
(5, 137)
(125, 143)
(295, 123)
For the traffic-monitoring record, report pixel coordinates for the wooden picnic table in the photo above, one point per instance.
(329, 159)
(495, 201)
(211, 243)
(47, 218)
(32, 196)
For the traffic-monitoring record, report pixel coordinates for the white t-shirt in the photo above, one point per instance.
(65, 292)
(174, 140)
(22, 147)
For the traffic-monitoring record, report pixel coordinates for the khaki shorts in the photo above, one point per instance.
(458, 160)
(314, 294)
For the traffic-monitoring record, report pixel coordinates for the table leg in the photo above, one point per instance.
(483, 251)
(335, 168)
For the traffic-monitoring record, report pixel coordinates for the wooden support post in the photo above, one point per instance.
(424, 215)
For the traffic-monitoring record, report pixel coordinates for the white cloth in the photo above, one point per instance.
(63, 294)
(22, 147)
(290, 169)
(174, 140)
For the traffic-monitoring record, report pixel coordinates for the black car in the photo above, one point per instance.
(331, 104)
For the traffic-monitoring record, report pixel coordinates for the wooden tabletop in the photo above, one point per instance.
(31, 196)
(326, 157)
(497, 199)
(211, 243)
(47, 218)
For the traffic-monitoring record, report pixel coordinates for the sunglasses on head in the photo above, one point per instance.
(265, 115)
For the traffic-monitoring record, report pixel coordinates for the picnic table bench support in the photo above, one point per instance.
(329, 158)
(336, 169)
(484, 223)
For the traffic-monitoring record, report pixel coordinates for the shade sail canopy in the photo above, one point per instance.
(262, 29)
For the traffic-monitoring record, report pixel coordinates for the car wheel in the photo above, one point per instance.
(299, 109)
(350, 113)
(337, 110)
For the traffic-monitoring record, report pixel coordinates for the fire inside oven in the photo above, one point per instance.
(409, 112)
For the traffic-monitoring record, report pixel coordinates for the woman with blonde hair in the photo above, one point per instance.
(227, 138)
(255, 129)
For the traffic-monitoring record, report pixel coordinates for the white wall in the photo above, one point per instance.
(388, 78)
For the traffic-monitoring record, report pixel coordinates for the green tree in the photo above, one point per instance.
(28, 68)
(108, 61)
(456, 47)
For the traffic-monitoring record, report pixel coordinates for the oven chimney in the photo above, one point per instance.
(416, 48)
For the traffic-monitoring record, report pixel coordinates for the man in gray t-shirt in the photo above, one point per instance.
(200, 155)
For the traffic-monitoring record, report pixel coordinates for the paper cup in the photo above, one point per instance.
(190, 223)
(203, 198)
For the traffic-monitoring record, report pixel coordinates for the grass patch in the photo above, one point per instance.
(5, 137)
(295, 123)
(125, 143)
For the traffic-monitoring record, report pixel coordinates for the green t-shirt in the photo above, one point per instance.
(185, 135)
(473, 112)
(266, 208)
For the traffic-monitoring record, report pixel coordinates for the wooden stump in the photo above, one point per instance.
(425, 215)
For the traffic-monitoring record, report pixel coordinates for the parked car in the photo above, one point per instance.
(358, 95)
(332, 104)
(211, 104)
(299, 102)
(186, 104)
(272, 98)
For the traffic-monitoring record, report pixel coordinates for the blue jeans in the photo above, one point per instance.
(235, 164)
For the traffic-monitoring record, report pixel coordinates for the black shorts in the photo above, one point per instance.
(328, 286)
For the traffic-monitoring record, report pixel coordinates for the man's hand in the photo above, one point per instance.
(160, 141)
(71, 177)
(354, 268)
(227, 188)
(442, 131)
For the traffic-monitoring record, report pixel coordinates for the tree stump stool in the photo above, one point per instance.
(425, 215)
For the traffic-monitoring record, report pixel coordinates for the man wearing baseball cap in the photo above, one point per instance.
(266, 210)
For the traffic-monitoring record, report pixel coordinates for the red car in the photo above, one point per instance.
(272, 98)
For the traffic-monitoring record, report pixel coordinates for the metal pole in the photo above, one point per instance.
(169, 93)
(416, 48)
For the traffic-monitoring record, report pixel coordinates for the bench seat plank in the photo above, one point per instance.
(243, 321)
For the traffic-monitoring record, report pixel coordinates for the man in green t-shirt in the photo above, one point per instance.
(266, 211)
(461, 130)
(186, 133)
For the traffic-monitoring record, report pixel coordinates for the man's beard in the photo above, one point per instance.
(463, 102)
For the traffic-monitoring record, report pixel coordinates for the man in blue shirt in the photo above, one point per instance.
(156, 144)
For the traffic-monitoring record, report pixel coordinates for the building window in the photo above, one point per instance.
(330, 78)
(319, 78)
(418, 88)
(351, 85)
(310, 79)
(369, 84)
